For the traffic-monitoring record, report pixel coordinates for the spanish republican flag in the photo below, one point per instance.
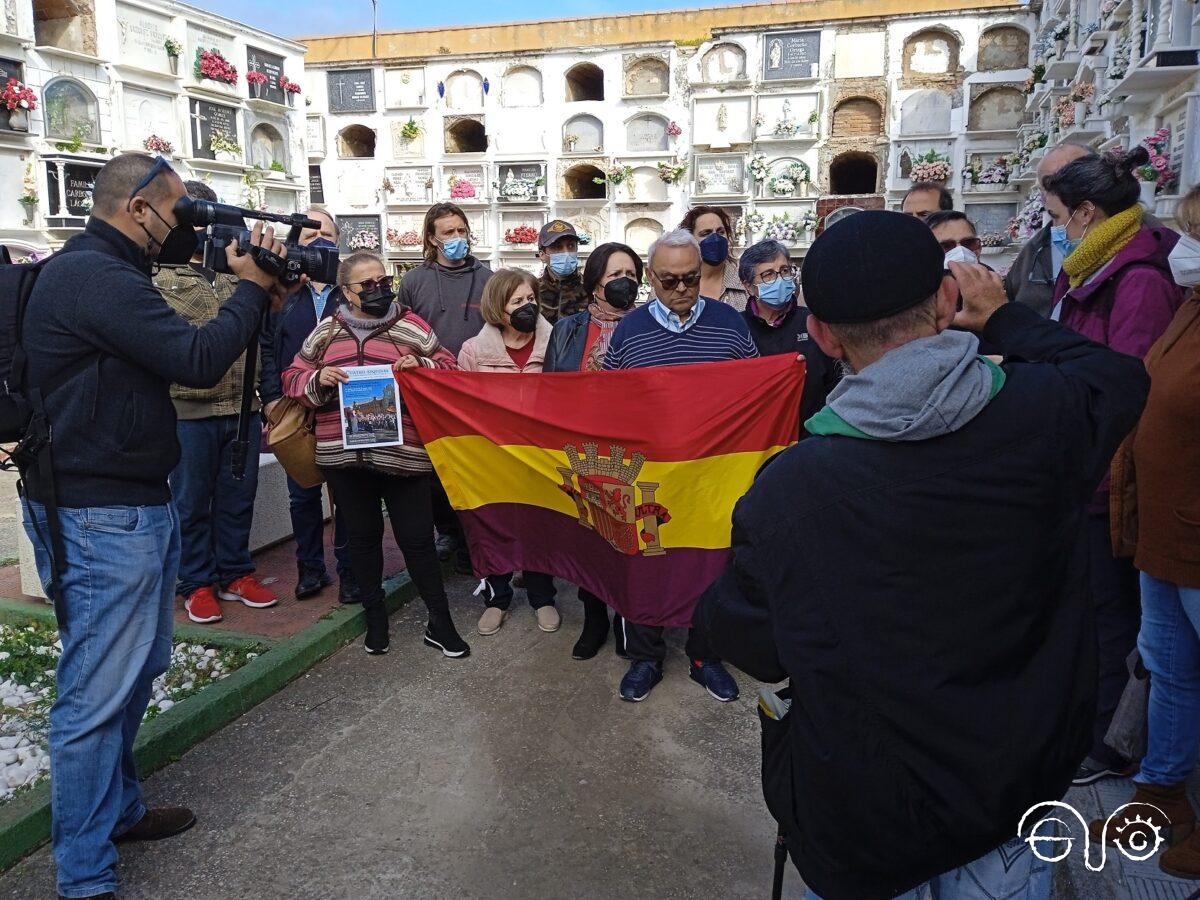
(621, 482)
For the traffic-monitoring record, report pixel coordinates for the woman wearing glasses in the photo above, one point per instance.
(779, 324)
(371, 328)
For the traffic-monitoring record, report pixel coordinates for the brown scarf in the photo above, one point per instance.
(607, 323)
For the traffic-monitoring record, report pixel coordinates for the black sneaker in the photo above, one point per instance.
(1092, 770)
(311, 581)
(441, 634)
(445, 544)
(349, 590)
(377, 640)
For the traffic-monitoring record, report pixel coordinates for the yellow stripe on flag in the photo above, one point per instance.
(699, 494)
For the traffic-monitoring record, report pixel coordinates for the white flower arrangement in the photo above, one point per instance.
(781, 185)
(785, 125)
(760, 171)
(783, 228)
(363, 240)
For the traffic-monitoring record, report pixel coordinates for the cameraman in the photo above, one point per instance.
(94, 310)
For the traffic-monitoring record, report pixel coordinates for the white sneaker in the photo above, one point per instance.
(491, 620)
(548, 618)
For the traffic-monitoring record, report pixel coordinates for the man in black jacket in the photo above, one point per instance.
(280, 342)
(95, 312)
(918, 569)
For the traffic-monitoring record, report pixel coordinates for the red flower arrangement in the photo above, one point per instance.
(257, 77)
(18, 95)
(212, 65)
(522, 234)
(410, 239)
(289, 87)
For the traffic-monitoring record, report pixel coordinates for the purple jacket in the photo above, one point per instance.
(1127, 306)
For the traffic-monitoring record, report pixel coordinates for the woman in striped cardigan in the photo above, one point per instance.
(371, 328)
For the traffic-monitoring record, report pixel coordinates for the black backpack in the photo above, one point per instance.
(22, 417)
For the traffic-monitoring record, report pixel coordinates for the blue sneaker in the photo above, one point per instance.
(640, 680)
(713, 677)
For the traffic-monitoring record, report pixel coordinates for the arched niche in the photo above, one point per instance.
(857, 117)
(579, 183)
(723, 62)
(931, 52)
(646, 132)
(465, 135)
(583, 134)
(464, 90)
(267, 146)
(71, 110)
(854, 172)
(356, 142)
(585, 81)
(647, 76)
(997, 109)
(641, 233)
(522, 86)
(1003, 48)
(647, 186)
(925, 112)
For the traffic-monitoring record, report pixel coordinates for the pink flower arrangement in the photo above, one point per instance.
(155, 144)
(393, 236)
(1158, 169)
(18, 95)
(674, 130)
(212, 65)
(257, 77)
(289, 87)
(461, 189)
(1064, 109)
(410, 239)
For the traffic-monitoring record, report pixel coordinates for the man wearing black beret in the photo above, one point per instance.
(917, 568)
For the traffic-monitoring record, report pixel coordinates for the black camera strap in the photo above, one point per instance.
(240, 451)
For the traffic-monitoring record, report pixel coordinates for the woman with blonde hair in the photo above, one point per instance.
(370, 328)
(513, 339)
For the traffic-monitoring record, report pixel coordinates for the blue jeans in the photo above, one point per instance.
(118, 593)
(1170, 646)
(215, 509)
(1010, 872)
(308, 526)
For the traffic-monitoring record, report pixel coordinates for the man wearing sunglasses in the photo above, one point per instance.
(677, 327)
(96, 318)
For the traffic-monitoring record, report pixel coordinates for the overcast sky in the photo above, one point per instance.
(295, 18)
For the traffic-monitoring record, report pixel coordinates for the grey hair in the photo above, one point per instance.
(679, 237)
(323, 211)
(764, 251)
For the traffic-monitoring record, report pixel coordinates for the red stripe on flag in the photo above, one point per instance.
(669, 413)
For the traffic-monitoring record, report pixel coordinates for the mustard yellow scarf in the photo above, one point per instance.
(1101, 244)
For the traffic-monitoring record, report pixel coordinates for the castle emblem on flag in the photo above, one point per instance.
(605, 490)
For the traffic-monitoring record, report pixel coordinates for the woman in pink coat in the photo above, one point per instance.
(513, 339)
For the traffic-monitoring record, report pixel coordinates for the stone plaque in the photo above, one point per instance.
(925, 112)
(352, 225)
(280, 201)
(81, 180)
(724, 62)
(148, 113)
(645, 133)
(229, 188)
(792, 54)
(142, 37)
(351, 90)
(409, 184)
(315, 135)
(991, 218)
(270, 65)
(204, 39)
(997, 109)
(472, 175)
(720, 175)
(641, 233)
(207, 118)
(316, 187)
(403, 88)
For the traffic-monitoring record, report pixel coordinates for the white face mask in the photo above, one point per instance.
(961, 254)
(1185, 262)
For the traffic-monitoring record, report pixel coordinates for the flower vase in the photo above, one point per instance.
(1081, 111)
(1060, 48)
(991, 188)
(174, 60)
(224, 156)
(257, 88)
(810, 234)
(29, 209)
(18, 119)
(1148, 190)
(291, 99)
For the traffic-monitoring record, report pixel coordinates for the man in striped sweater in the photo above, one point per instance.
(677, 327)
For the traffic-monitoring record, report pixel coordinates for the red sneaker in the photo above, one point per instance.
(202, 606)
(249, 591)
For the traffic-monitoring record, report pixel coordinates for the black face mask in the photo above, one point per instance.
(377, 301)
(179, 245)
(524, 318)
(620, 293)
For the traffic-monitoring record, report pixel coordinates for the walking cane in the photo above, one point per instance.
(780, 865)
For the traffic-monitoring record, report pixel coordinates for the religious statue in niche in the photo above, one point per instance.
(722, 117)
(775, 54)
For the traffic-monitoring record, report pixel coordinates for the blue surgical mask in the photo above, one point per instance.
(778, 293)
(1065, 245)
(714, 249)
(456, 248)
(565, 263)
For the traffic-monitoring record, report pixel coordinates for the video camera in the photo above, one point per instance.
(225, 225)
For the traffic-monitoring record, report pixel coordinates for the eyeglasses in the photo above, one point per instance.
(387, 281)
(770, 275)
(973, 244)
(670, 282)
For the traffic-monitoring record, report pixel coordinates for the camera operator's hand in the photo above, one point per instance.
(243, 265)
(329, 376)
(982, 294)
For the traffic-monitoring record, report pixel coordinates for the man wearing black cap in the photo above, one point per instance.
(560, 289)
(917, 568)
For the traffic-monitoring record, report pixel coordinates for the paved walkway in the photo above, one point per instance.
(514, 773)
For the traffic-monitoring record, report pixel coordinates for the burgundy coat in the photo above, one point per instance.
(1127, 306)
